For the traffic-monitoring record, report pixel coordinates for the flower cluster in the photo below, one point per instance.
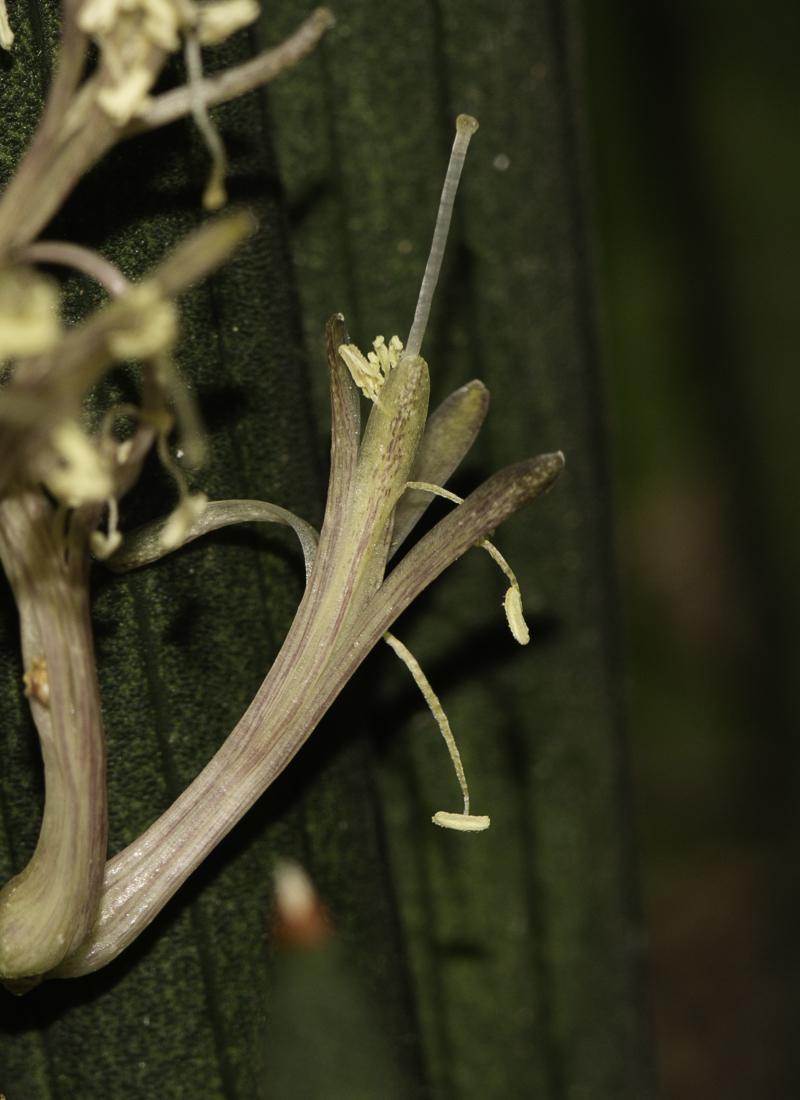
(132, 36)
(70, 911)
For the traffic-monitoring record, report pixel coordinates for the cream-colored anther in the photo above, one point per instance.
(104, 545)
(217, 21)
(366, 375)
(516, 620)
(153, 328)
(370, 371)
(464, 823)
(182, 518)
(124, 101)
(513, 599)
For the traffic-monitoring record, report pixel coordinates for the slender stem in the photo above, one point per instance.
(235, 82)
(49, 173)
(81, 259)
(23, 190)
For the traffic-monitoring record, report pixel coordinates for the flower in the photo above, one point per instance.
(348, 605)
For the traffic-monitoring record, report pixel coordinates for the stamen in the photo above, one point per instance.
(466, 126)
(103, 546)
(466, 822)
(215, 195)
(371, 371)
(513, 599)
(189, 507)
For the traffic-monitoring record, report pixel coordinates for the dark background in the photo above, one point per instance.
(695, 106)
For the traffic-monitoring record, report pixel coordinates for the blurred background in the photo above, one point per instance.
(509, 968)
(695, 125)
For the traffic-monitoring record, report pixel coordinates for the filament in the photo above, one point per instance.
(421, 680)
(214, 195)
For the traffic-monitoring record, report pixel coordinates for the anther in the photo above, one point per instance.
(103, 546)
(189, 506)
